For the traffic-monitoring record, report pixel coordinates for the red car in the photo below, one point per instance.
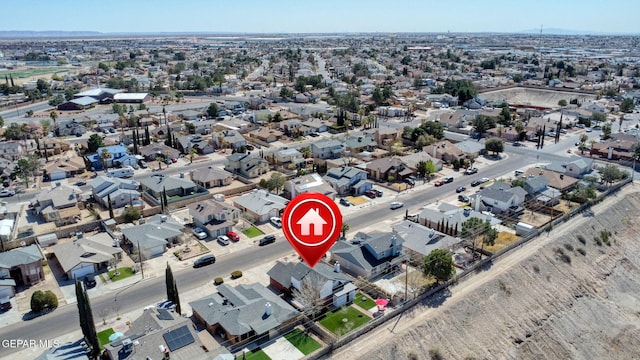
(174, 160)
(439, 183)
(233, 236)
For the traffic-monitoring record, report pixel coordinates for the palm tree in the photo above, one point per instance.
(192, 153)
(160, 159)
(104, 157)
(54, 116)
(345, 228)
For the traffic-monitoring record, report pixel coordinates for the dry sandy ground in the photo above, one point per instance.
(546, 98)
(554, 298)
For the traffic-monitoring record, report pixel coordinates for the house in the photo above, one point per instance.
(244, 313)
(347, 180)
(58, 204)
(203, 127)
(288, 156)
(412, 160)
(209, 177)
(388, 169)
(309, 183)
(384, 137)
(151, 151)
(54, 146)
(260, 205)
(119, 155)
(246, 165)
(471, 148)
(23, 266)
(327, 149)
(121, 191)
(160, 334)
(330, 284)
(85, 256)
(216, 217)
(358, 144)
(12, 150)
(155, 185)
(498, 200)
(152, 235)
(317, 125)
(69, 127)
(445, 151)
(451, 217)
(67, 167)
(198, 142)
(100, 94)
(81, 103)
(369, 255)
(619, 146)
(457, 119)
(420, 241)
(291, 127)
(267, 135)
(131, 98)
(228, 139)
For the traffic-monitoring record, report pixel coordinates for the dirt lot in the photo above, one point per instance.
(561, 296)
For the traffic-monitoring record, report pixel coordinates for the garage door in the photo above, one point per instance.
(6, 291)
(79, 273)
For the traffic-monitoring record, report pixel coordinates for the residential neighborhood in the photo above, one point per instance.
(151, 176)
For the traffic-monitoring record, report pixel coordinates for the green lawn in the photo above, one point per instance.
(103, 336)
(367, 304)
(32, 72)
(333, 321)
(125, 272)
(252, 232)
(302, 341)
(254, 355)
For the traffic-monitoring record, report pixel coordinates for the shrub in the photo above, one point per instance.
(582, 251)
(51, 300)
(219, 280)
(536, 268)
(568, 247)
(582, 240)
(236, 274)
(37, 301)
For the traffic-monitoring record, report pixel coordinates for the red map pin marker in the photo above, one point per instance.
(311, 222)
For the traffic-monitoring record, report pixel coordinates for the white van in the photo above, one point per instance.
(124, 172)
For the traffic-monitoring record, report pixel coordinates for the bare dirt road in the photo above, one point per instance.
(568, 295)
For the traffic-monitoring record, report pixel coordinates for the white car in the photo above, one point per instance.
(396, 205)
(223, 240)
(7, 192)
(276, 221)
(200, 233)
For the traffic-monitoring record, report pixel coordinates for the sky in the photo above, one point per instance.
(321, 16)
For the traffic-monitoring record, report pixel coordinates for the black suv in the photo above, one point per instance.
(205, 260)
(267, 240)
(90, 280)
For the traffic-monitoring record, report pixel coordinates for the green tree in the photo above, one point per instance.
(14, 132)
(193, 152)
(1, 121)
(56, 100)
(130, 214)
(105, 155)
(505, 116)
(439, 264)
(476, 228)
(172, 289)
(277, 117)
(494, 145)
(611, 173)
(345, 228)
(94, 143)
(26, 168)
(518, 182)
(562, 102)
(110, 206)
(483, 123)
(286, 93)
(598, 117)
(606, 131)
(627, 105)
(87, 325)
(276, 181)
(37, 301)
(54, 116)
(212, 111)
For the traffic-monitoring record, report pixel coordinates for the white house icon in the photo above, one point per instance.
(311, 217)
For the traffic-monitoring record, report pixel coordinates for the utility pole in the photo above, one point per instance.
(140, 259)
(406, 280)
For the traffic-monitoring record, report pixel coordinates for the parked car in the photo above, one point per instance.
(5, 304)
(267, 240)
(448, 179)
(470, 171)
(276, 221)
(518, 172)
(464, 198)
(410, 181)
(370, 194)
(233, 236)
(439, 182)
(174, 160)
(7, 192)
(80, 183)
(90, 280)
(223, 240)
(479, 181)
(378, 192)
(460, 189)
(200, 233)
(143, 164)
(204, 260)
(344, 202)
(396, 205)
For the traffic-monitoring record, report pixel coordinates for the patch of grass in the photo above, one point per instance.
(303, 342)
(367, 304)
(103, 336)
(257, 354)
(504, 239)
(334, 321)
(31, 72)
(124, 273)
(252, 232)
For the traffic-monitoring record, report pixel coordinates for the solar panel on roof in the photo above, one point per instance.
(163, 314)
(178, 338)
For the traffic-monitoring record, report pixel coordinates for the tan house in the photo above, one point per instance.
(216, 217)
(445, 151)
(388, 169)
(267, 135)
(23, 265)
(68, 167)
(58, 204)
(211, 177)
(246, 165)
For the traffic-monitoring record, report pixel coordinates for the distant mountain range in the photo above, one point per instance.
(557, 31)
(47, 34)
